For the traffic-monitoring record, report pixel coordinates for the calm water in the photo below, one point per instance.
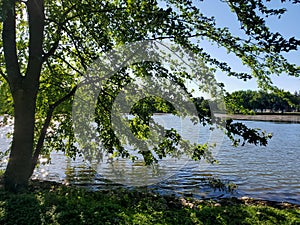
(270, 172)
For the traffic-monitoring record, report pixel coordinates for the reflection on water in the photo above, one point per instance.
(136, 173)
(270, 172)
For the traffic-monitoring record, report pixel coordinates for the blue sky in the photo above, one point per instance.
(288, 25)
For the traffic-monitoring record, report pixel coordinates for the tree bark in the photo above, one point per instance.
(18, 169)
(24, 89)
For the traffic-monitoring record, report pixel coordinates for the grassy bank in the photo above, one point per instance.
(54, 204)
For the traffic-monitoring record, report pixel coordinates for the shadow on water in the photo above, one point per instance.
(181, 184)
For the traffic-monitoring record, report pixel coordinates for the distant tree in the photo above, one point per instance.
(241, 101)
(296, 101)
(252, 101)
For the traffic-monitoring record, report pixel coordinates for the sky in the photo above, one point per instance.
(288, 26)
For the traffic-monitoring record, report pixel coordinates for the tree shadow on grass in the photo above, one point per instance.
(68, 205)
(19, 209)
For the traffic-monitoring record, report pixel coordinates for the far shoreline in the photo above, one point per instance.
(286, 118)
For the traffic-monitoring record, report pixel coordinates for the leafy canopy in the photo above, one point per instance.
(78, 32)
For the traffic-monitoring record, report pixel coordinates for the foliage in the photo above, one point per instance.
(262, 101)
(6, 107)
(69, 205)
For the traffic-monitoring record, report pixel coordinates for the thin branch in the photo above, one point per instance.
(56, 43)
(3, 75)
(51, 50)
(171, 37)
(95, 11)
(68, 10)
(46, 124)
(75, 44)
(56, 83)
(67, 19)
(72, 67)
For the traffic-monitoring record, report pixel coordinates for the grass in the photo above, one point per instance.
(46, 203)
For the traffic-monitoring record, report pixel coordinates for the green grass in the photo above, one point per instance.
(44, 204)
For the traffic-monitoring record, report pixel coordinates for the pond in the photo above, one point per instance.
(270, 172)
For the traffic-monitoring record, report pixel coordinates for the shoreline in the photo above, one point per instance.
(243, 200)
(52, 203)
(36, 185)
(263, 117)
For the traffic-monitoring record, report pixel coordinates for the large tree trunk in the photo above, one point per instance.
(24, 88)
(19, 166)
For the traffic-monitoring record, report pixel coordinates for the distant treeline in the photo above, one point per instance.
(250, 101)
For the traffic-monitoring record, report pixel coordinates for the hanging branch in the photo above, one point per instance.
(42, 136)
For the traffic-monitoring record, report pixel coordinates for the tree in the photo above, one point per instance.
(241, 101)
(47, 46)
(249, 101)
